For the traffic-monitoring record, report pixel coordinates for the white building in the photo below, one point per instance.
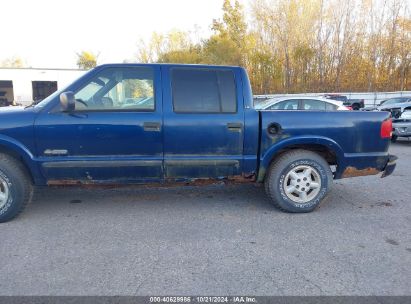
(25, 85)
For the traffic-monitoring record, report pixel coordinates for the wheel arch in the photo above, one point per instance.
(325, 147)
(19, 152)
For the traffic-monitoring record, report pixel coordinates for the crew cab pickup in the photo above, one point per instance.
(168, 124)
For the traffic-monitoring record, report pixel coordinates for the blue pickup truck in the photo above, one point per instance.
(168, 124)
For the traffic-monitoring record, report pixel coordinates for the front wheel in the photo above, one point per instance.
(298, 181)
(15, 188)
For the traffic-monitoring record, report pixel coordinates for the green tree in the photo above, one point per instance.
(86, 60)
(191, 55)
(230, 43)
(220, 49)
(233, 24)
(173, 47)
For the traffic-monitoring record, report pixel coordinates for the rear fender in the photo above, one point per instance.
(297, 142)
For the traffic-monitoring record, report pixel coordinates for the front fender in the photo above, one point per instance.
(268, 155)
(17, 148)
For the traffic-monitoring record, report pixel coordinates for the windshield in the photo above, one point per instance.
(92, 88)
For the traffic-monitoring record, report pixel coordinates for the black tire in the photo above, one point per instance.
(19, 188)
(355, 107)
(275, 181)
(394, 138)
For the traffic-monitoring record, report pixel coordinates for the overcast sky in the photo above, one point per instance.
(48, 33)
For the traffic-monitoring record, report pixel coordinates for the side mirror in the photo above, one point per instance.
(67, 101)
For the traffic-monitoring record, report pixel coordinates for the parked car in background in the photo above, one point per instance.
(302, 103)
(400, 109)
(401, 126)
(396, 106)
(388, 103)
(354, 104)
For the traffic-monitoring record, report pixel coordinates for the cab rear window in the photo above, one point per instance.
(203, 91)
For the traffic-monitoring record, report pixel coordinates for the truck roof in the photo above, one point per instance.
(167, 64)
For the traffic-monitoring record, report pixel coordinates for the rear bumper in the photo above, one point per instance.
(363, 164)
(390, 166)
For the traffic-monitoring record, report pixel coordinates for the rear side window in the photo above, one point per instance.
(203, 91)
(290, 104)
(313, 105)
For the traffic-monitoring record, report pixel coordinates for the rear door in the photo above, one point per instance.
(203, 122)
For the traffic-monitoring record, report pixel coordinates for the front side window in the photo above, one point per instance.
(203, 91)
(119, 89)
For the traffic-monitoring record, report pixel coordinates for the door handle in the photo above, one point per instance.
(152, 126)
(234, 126)
(78, 115)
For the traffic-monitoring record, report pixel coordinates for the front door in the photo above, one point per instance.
(114, 134)
(203, 123)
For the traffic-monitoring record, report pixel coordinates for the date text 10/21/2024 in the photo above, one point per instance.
(202, 299)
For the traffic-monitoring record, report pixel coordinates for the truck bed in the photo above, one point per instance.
(351, 139)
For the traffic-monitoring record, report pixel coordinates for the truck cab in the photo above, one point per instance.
(147, 124)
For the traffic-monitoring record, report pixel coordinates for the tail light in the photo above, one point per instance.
(349, 107)
(386, 128)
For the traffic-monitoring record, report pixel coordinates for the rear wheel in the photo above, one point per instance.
(15, 188)
(298, 181)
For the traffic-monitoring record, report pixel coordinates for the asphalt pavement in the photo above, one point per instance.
(212, 240)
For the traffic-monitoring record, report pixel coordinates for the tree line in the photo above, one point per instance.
(291, 46)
